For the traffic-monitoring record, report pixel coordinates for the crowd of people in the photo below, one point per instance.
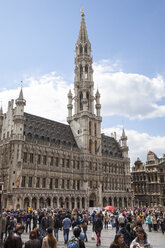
(43, 227)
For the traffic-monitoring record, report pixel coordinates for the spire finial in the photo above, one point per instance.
(82, 12)
(21, 84)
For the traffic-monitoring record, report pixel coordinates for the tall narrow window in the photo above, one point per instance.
(95, 129)
(44, 183)
(90, 146)
(31, 157)
(51, 183)
(57, 162)
(67, 163)
(51, 161)
(56, 183)
(81, 72)
(44, 159)
(90, 128)
(38, 182)
(23, 181)
(80, 49)
(30, 182)
(63, 162)
(39, 159)
(81, 98)
(87, 95)
(68, 184)
(25, 157)
(85, 49)
(86, 72)
(63, 184)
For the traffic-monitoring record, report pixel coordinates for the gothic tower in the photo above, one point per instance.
(86, 120)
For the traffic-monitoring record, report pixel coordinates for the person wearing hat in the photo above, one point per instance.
(49, 241)
(14, 239)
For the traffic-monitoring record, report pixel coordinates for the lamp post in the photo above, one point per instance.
(1, 200)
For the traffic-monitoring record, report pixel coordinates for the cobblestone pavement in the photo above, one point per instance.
(157, 239)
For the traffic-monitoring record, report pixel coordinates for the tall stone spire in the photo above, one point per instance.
(86, 120)
(83, 36)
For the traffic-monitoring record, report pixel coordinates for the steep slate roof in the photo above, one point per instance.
(46, 130)
(110, 147)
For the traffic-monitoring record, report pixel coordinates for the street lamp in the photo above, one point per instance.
(1, 199)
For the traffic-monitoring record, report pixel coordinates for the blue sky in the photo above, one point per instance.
(127, 36)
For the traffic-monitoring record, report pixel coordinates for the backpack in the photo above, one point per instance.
(73, 243)
(84, 224)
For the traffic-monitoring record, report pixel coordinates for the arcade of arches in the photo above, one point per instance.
(69, 202)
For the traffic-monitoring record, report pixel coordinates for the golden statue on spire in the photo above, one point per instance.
(82, 11)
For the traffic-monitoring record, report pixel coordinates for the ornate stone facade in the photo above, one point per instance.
(46, 163)
(148, 182)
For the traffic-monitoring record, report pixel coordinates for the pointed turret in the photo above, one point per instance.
(20, 100)
(70, 105)
(83, 36)
(1, 111)
(123, 142)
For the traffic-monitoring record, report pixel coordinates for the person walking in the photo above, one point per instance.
(33, 242)
(149, 222)
(66, 225)
(118, 241)
(98, 226)
(14, 239)
(49, 241)
(141, 240)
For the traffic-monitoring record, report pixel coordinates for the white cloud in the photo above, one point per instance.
(140, 143)
(46, 96)
(131, 95)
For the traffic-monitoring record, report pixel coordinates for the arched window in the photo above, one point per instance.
(87, 96)
(86, 72)
(80, 49)
(85, 49)
(90, 128)
(95, 129)
(81, 104)
(56, 183)
(81, 72)
(95, 146)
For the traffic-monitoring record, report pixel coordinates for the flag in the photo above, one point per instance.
(17, 182)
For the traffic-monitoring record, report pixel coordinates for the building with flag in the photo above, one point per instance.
(44, 163)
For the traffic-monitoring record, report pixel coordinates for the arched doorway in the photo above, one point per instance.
(125, 202)
(120, 203)
(115, 202)
(83, 203)
(110, 201)
(18, 206)
(41, 203)
(61, 202)
(48, 202)
(104, 202)
(34, 203)
(26, 203)
(92, 200)
(54, 202)
(67, 203)
(78, 202)
(72, 202)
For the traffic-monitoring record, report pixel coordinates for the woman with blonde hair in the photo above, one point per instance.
(49, 241)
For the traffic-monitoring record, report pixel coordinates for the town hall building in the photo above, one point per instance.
(44, 163)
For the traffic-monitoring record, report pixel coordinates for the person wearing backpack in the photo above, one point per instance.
(76, 241)
(85, 226)
(57, 225)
